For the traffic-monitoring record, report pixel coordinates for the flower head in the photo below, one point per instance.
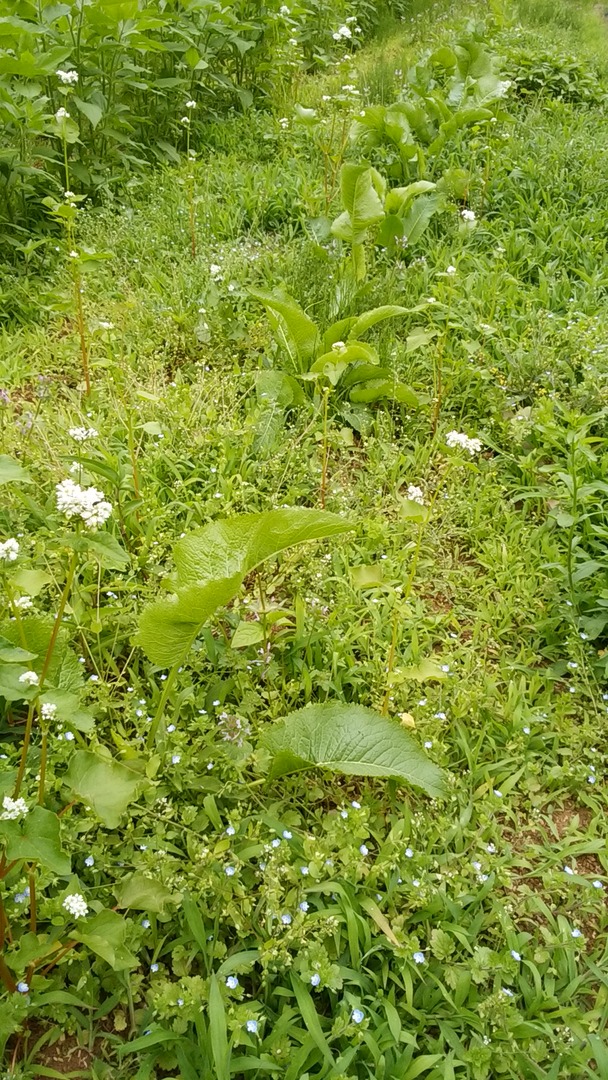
(232, 982)
(76, 904)
(68, 78)
(357, 1016)
(9, 550)
(415, 494)
(191, 104)
(315, 979)
(62, 114)
(419, 958)
(24, 603)
(13, 809)
(81, 434)
(23, 988)
(88, 504)
(468, 215)
(252, 1027)
(463, 442)
(29, 678)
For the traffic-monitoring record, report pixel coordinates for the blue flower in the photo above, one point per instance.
(23, 988)
(515, 955)
(498, 793)
(145, 923)
(355, 805)
(576, 932)
(304, 906)
(175, 759)
(230, 831)
(153, 967)
(89, 861)
(568, 870)
(364, 849)
(232, 982)
(304, 870)
(419, 958)
(409, 854)
(286, 919)
(286, 834)
(276, 843)
(597, 884)
(230, 871)
(180, 1001)
(315, 979)
(252, 1026)
(357, 1016)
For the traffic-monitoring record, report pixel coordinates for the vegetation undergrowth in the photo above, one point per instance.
(304, 637)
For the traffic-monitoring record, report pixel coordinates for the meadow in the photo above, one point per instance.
(303, 543)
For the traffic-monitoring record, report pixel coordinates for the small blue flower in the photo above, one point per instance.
(591, 779)
(315, 979)
(276, 843)
(153, 968)
(498, 793)
(23, 988)
(286, 834)
(230, 831)
(262, 864)
(355, 805)
(409, 854)
(576, 932)
(416, 882)
(597, 884)
(304, 906)
(180, 1001)
(89, 861)
(515, 955)
(170, 728)
(286, 919)
(175, 759)
(508, 993)
(568, 870)
(419, 958)
(343, 813)
(357, 1016)
(230, 871)
(232, 982)
(304, 871)
(145, 923)
(252, 1027)
(364, 849)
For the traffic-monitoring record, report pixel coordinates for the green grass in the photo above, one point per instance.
(517, 719)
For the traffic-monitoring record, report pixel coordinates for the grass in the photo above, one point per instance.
(515, 973)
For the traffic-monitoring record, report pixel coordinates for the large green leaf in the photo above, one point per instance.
(106, 935)
(419, 215)
(12, 472)
(362, 204)
(301, 332)
(144, 893)
(349, 739)
(211, 566)
(106, 785)
(36, 837)
(371, 318)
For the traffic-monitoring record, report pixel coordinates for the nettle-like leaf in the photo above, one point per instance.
(211, 566)
(106, 785)
(349, 739)
(36, 837)
(106, 935)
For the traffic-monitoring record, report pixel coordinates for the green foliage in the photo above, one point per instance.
(351, 740)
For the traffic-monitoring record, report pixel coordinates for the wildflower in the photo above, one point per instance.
(304, 871)
(284, 10)
(355, 805)
(49, 711)
(69, 195)
(230, 831)
(29, 678)
(409, 854)
(175, 759)
(170, 727)
(415, 494)
(89, 861)
(81, 434)
(315, 979)
(416, 882)
(459, 439)
(597, 884)
(76, 905)
(342, 32)
(568, 870)
(286, 834)
(508, 993)
(576, 933)
(364, 849)
(284, 122)
(497, 793)
(232, 982)
(419, 958)
(304, 906)
(591, 779)
(286, 919)
(106, 325)
(276, 843)
(428, 744)
(13, 809)
(467, 215)
(9, 550)
(185, 120)
(357, 1016)
(23, 988)
(24, 603)
(87, 503)
(215, 270)
(62, 114)
(153, 968)
(450, 270)
(73, 255)
(515, 955)
(252, 1027)
(230, 871)
(491, 849)
(68, 78)
(191, 104)
(440, 715)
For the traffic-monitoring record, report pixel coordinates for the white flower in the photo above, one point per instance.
(81, 434)
(458, 439)
(343, 32)
(29, 678)
(76, 904)
(86, 503)
(467, 215)
(339, 347)
(185, 120)
(69, 195)
(415, 494)
(68, 78)
(9, 550)
(49, 711)
(215, 270)
(73, 255)
(62, 114)
(105, 324)
(24, 603)
(191, 104)
(450, 270)
(284, 10)
(284, 122)
(13, 809)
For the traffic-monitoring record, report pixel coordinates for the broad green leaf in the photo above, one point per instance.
(247, 633)
(301, 331)
(168, 627)
(31, 582)
(92, 112)
(11, 472)
(106, 935)
(426, 669)
(367, 577)
(350, 739)
(310, 1017)
(306, 117)
(398, 198)
(36, 837)
(107, 786)
(352, 351)
(278, 388)
(104, 547)
(363, 206)
(377, 389)
(419, 215)
(144, 894)
(370, 318)
(419, 337)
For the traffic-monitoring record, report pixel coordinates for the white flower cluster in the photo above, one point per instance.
(343, 32)
(62, 114)
(24, 603)
(467, 215)
(86, 503)
(463, 442)
(9, 550)
(29, 678)
(68, 78)
(76, 904)
(49, 711)
(415, 494)
(81, 434)
(12, 809)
